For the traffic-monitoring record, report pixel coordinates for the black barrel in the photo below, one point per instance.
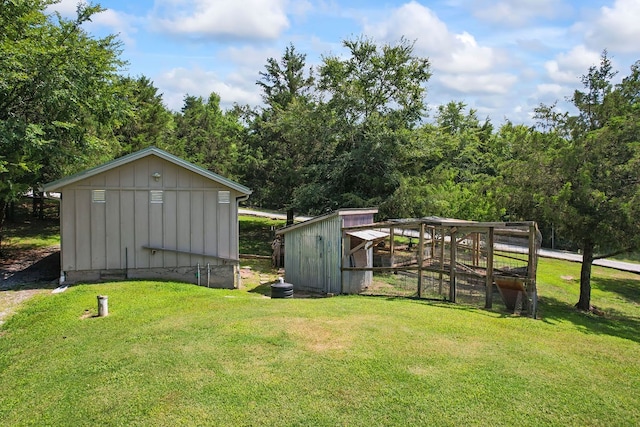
(281, 290)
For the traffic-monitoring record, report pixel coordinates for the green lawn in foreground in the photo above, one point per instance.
(176, 354)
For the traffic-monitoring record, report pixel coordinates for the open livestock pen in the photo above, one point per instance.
(480, 263)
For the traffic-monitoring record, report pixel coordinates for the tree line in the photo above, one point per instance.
(352, 132)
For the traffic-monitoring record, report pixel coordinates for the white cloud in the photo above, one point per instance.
(178, 82)
(568, 67)
(554, 89)
(464, 68)
(516, 13)
(244, 19)
(66, 8)
(113, 21)
(448, 52)
(253, 57)
(616, 27)
(500, 83)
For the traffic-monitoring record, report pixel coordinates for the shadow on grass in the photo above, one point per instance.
(627, 289)
(45, 229)
(498, 310)
(39, 275)
(616, 324)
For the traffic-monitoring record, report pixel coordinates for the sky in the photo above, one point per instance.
(502, 58)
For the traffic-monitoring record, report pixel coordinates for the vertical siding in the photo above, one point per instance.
(113, 235)
(312, 256)
(197, 227)
(83, 230)
(141, 228)
(224, 228)
(170, 227)
(156, 232)
(155, 164)
(141, 173)
(357, 219)
(98, 235)
(95, 236)
(184, 227)
(68, 231)
(211, 222)
(127, 228)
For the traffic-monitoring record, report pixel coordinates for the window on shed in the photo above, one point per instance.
(156, 196)
(224, 197)
(99, 196)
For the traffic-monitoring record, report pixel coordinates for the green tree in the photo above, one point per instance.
(375, 96)
(147, 122)
(593, 179)
(207, 135)
(448, 169)
(286, 136)
(285, 80)
(58, 99)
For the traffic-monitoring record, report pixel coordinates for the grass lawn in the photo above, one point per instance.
(176, 354)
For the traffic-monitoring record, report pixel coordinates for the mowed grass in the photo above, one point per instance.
(176, 354)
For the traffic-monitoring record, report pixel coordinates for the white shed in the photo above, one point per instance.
(149, 215)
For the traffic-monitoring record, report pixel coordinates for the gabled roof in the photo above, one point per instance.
(150, 151)
(339, 212)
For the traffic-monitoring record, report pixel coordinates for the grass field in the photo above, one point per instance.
(173, 354)
(177, 354)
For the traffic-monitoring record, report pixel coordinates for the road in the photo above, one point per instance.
(546, 253)
(570, 256)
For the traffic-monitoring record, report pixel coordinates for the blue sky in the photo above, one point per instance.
(500, 57)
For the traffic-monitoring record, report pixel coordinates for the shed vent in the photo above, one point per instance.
(99, 196)
(155, 196)
(224, 197)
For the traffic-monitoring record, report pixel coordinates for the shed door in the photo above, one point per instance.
(312, 259)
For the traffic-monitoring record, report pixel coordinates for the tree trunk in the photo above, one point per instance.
(584, 303)
(3, 209)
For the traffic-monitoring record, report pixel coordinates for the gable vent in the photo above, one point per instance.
(224, 197)
(99, 196)
(156, 196)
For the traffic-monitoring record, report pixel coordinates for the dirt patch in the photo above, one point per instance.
(25, 274)
(30, 266)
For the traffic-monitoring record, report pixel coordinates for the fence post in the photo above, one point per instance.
(489, 286)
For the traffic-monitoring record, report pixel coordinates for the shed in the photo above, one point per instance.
(149, 214)
(315, 250)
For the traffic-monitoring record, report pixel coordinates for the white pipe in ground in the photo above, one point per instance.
(103, 305)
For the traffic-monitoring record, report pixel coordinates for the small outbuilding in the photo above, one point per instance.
(149, 214)
(315, 249)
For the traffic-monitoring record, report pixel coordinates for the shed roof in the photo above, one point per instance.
(150, 151)
(369, 235)
(339, 212)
